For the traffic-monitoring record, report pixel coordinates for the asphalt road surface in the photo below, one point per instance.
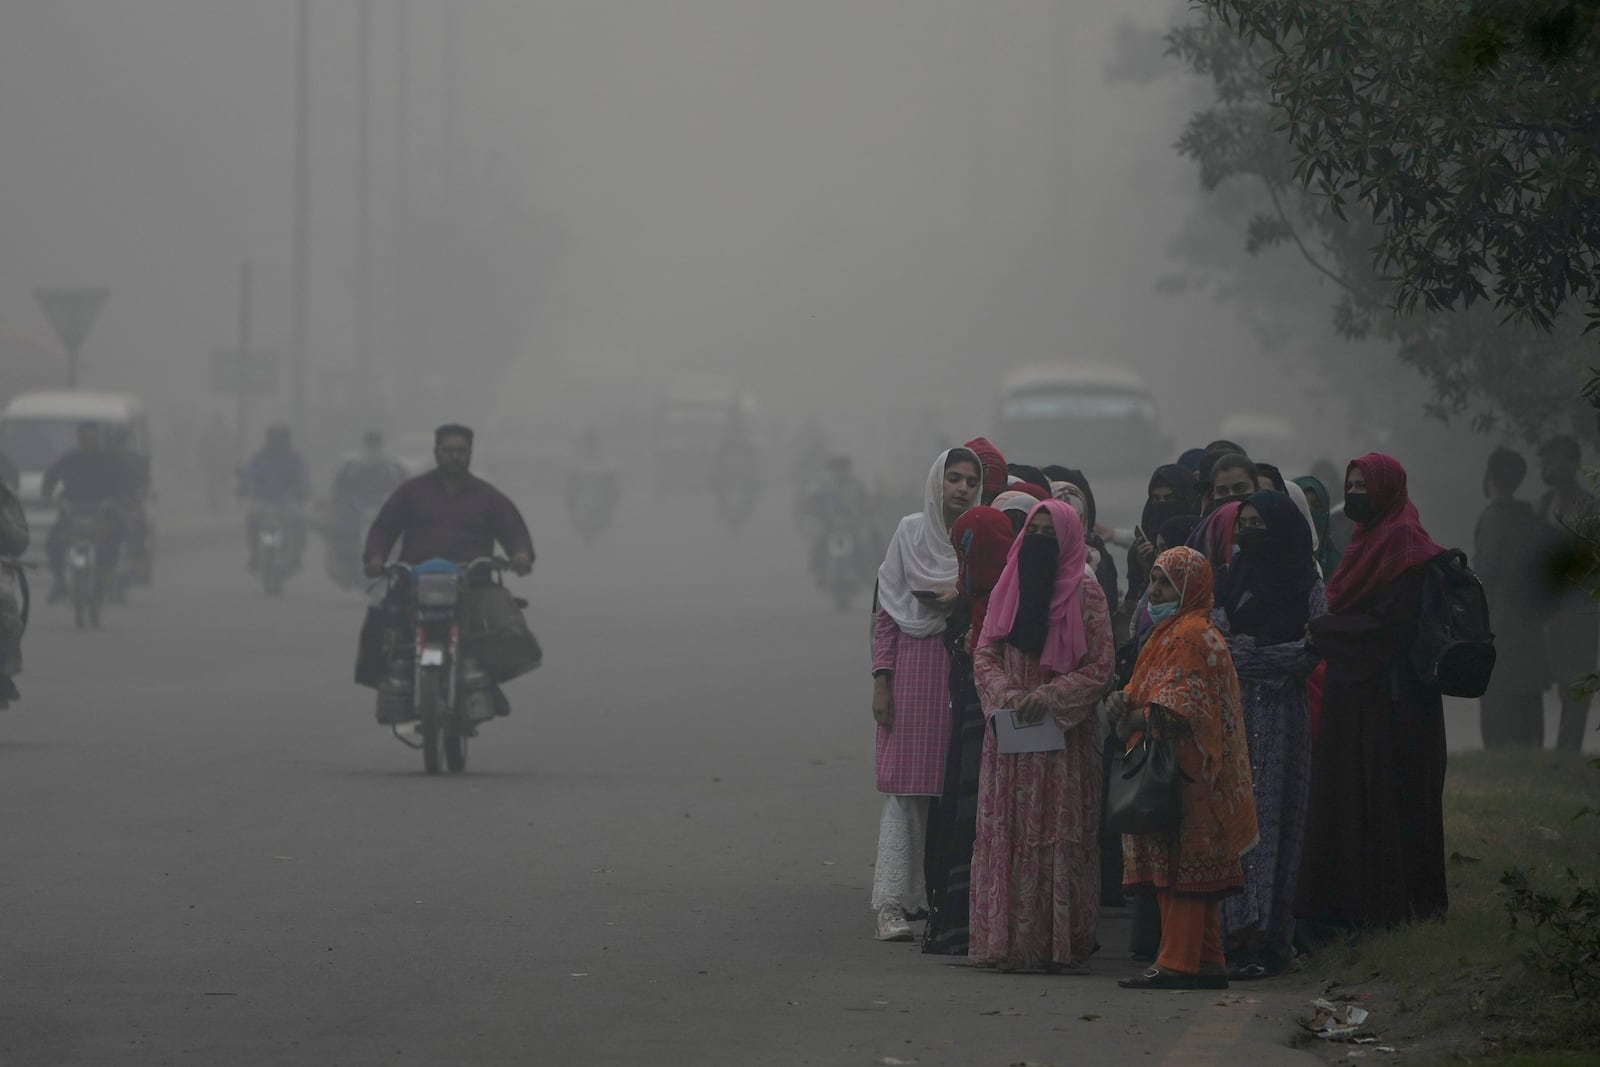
(214, 856)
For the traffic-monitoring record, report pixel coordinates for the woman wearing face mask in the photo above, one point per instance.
(911, 684)
(1099, 558)
(1213, 537)
(1185, 669)
(1171, 493)
(982, 539)
(1374, 852)
(1273, 591)
(1145, 928)
(1045, 650)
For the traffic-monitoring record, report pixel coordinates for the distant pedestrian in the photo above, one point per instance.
(911, 685)
(1374, 851)
(1573, 636)
(1046, 649)
(1507, 555)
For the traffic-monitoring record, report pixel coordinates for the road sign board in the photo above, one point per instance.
(252, 373)
(71, 311)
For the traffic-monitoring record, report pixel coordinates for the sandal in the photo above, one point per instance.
(1250, 972)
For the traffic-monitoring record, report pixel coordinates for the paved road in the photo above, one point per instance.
(212, 855)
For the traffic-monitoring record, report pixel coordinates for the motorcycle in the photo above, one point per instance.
(445, 694)
(87, 580)
(277, 550)
(838, 564)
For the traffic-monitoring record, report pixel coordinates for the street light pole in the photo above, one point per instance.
(299, 283)
(364, 200)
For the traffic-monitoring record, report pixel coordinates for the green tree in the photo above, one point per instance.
(1438, 161)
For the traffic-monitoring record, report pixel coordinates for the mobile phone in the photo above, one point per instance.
(925, 594)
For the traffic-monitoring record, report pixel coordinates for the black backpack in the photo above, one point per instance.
(1454, 652)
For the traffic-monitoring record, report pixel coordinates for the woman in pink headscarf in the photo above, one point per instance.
(1046, 649)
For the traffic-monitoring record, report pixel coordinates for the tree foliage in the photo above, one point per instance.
(1436, 161)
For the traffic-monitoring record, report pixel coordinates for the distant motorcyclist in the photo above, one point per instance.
(13, 592)
(10, 476)
(836, 498)
(276, 477)
(365, 482)
(89, 478)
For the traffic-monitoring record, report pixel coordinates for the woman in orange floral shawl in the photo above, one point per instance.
(1185, 667)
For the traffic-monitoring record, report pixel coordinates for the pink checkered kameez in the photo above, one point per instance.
(911, 753)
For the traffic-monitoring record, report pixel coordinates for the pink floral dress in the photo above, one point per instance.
(1036, 862)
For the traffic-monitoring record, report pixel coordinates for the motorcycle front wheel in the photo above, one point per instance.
(429, 711)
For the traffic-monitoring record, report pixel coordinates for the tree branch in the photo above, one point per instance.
(1294, 235)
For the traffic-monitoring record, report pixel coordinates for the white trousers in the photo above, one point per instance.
(898, 880)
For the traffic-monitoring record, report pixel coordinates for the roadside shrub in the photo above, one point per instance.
(1566, 927)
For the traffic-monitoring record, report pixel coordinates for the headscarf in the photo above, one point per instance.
(1391, 544)
(1271, 471)
(1030, 475)
(1268, 589)
(1190, 460)
(1030, 490)
(982, 539)
(1328, 554)
(1185, 667)
(1067, 639)
(1013, 503)
(994, 467)
(1183, 502)
(1298, 495)
(1175, 532)
(920, 556)
(1214, 535)
(1076, 477)
(1073, 497)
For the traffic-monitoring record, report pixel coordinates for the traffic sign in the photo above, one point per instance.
(252, 373)
(71, 311)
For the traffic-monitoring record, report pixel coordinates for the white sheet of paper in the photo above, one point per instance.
(1014, 736)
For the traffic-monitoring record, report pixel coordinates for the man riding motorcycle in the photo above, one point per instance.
(449, 514)
(276, 477)
(89, 478)
(836, 498)
(13, 592)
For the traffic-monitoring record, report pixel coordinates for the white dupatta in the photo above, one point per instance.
(920, 556)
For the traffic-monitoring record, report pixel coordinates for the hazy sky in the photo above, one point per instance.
(848, 203)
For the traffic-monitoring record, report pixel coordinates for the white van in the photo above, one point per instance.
(36, 429)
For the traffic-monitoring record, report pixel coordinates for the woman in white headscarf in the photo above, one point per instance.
(911, 684)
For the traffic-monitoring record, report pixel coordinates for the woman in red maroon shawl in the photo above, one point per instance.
(1374, 853)
(982, 539)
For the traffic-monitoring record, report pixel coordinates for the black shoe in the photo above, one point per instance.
(1156, 978)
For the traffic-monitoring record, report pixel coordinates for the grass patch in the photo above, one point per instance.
(1464, 990)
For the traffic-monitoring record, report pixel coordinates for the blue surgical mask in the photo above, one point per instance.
(1161, 612)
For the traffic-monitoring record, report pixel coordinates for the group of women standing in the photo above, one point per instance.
(1001, 598)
